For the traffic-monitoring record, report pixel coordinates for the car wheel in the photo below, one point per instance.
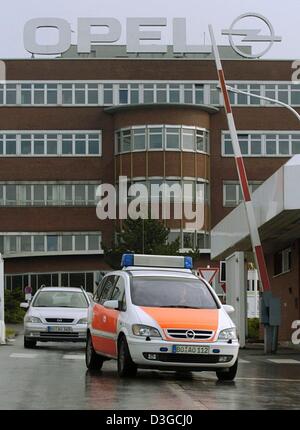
(92, 359)
(29, 343)
(229, 373)
(126, 366)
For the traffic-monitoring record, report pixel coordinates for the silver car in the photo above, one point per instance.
(56, 314)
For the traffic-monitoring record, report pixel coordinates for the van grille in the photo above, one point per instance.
(190, 334)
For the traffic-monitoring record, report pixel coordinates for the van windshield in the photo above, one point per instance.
(171, 292)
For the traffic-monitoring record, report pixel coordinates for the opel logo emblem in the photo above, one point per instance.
(190, 334)
(252, 35)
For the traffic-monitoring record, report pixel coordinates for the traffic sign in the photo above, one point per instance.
(208, 273)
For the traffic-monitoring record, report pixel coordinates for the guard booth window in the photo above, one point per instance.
(282, 261)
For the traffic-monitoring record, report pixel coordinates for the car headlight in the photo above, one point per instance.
(145, 330)
(228, 334)
(83, 321)
(35, 320)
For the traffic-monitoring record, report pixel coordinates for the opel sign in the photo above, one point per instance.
(143, 35)
(251, 35)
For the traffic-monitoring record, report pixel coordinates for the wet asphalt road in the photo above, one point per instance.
(54, 376)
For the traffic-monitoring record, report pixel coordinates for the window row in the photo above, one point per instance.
(191, 189)
(36, 280)
(190, 239)
(43, 194)
(43, 243)
(232, 192)
(99, 94)
(50, 144)
(162, 137)
(270, 144)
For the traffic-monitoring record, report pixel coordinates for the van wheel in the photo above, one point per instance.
(229, 373)
(126, 366)
(29, 343)
(93, 361)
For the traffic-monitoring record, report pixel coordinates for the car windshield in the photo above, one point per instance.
(60, 299)
(171, 292)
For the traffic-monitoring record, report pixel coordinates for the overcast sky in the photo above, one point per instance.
(284, 16)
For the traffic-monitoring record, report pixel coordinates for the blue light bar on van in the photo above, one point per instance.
(142, 260)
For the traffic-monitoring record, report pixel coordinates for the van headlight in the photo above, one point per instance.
(34, 320)
(228, 334)
(145, 330)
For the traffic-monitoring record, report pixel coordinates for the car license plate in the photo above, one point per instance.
(59, 329)
(190, 349)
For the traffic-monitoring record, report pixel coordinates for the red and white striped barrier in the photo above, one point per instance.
(253, 229)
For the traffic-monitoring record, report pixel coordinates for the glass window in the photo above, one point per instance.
(188, 93)
(25, 194)
(26, 98)
(270, 91)
(67, 242)
(80, 144)
(25, 144)
(93, 242)
(52, 140)
(108, 285)
(243, 141)
(11, 194)
(228, 149)
(255, 89)
(284, 144)
(108, 94)
(188, 240)
(271, 147)
(52, 243)
(1, 144)
(11, 244)
(11, 94)
(256, 145)
(123, 94)
(25, 243)
(155, 138)
(201, 141)
(188, 139)
(174, 93)
(148, 93)
(242, 99)
(161, 93)
(295, 144)
(172, 138)
(119, 290)
(214, 95)
(1, 195)
(39, 144)
(39, 243)
(94, 144)
(230, 194)
(93, 94)
(80, 243)
(139, 139)
(126, 141)
(199, 94)
(67, 144)
(283, 93)
(39, 94)
(51, 94)
(92, 194)
(1, 94)
(79, 194)
(2, 244)
(67, 94)
(134, 93)
(53, 194)
(295, 96)
(80, 94)
(11, 144)
(38, 193)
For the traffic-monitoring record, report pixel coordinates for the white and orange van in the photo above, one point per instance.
(155, 313)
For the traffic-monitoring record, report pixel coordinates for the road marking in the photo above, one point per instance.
(23, 355)
(283, 361)
(74, 356)
(243, 361)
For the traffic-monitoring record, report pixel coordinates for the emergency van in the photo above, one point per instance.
(156, 314)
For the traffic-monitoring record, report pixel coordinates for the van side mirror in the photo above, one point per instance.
(112, 304)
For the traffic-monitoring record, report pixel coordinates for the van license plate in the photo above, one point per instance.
(190, 349)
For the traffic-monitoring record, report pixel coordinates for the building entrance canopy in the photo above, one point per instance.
(277, 211)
